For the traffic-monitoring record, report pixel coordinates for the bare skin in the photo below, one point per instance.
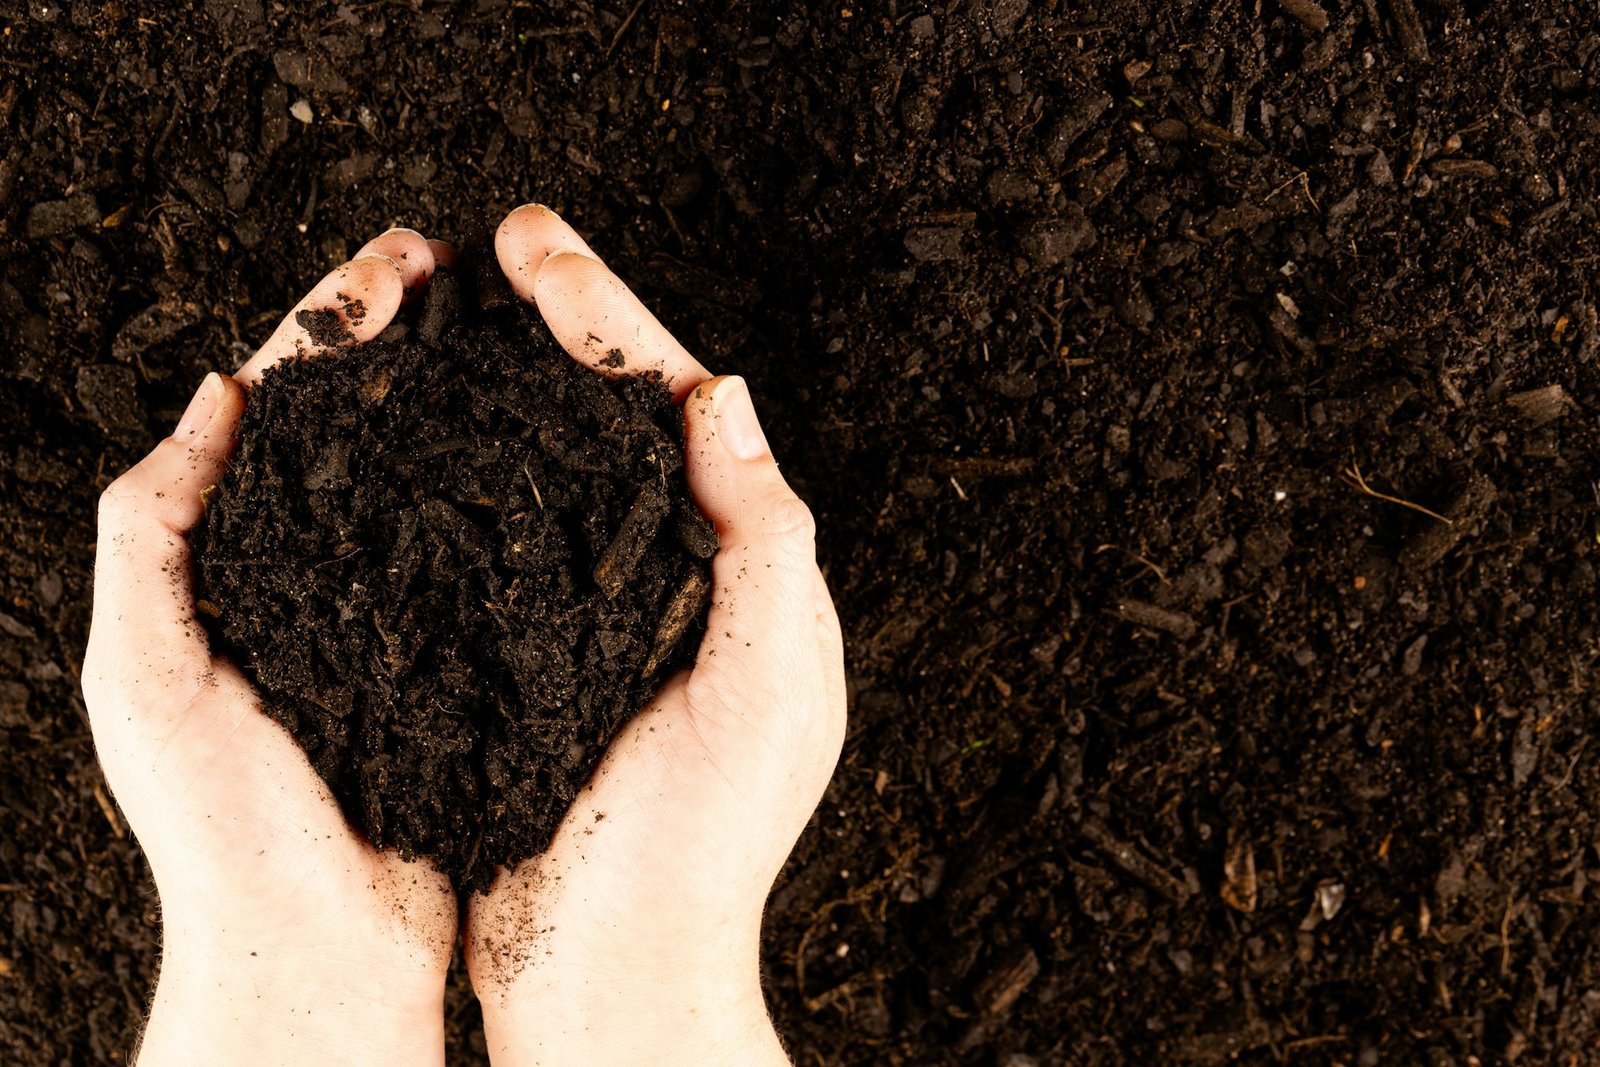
(289, 939)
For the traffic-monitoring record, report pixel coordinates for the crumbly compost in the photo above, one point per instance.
(455, 563)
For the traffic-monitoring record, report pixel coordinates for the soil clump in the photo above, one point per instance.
(455, 563)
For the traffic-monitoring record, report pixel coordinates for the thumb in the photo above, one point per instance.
(146, 656)
(771, 634)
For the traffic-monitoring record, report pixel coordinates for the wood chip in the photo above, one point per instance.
(638, 529)
(1540, 406)
(683, 610)
(1134, 862)
(1239, 876)
(1408, 26)
(1157, 618)
(1307, 11)
(1434, 542)
(1463, 168)
(15, 627)
(1010, 978)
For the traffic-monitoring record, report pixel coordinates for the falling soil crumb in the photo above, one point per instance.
(455, 563)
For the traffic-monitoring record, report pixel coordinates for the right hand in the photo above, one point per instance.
(635, 937)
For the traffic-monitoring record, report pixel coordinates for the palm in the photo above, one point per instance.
(254, 831)
(696, 800)
(284, 934)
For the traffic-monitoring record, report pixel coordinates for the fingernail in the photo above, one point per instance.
(737, 426)
(565, 255)
(198, 414)
(378, 255)
(363, 250)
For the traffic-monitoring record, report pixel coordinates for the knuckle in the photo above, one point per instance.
(99, 690)
(790, 521)
(117, 501)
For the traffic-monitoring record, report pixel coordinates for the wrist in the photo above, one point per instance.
(705, 1012)
(218, 1004)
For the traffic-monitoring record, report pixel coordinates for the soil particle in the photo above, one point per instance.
(934, 244)
(431, 557)
(325, 326)
(55, 217)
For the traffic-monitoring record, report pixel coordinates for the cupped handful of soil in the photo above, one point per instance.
(455, 563)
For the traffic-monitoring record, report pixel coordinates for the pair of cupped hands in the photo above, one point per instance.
(288, 939)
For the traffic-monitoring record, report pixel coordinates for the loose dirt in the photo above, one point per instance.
(1078, 326)
(455, 563)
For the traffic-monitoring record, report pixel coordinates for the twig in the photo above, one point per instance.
(336, 559)
(1353, 475)
(536, 494)
(1305, 185)
(1134, 862)
(622, 29)
(1322, 1039)
(1159, 573)
(1576, 756)
(1505, 933)
(559, 31)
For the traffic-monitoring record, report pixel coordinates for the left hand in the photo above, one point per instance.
(287, 938)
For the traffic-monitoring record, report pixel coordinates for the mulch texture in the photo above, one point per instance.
(1196, 400)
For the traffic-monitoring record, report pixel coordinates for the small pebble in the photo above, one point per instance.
(301, 109)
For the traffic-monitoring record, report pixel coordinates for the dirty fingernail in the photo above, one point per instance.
(377, 255)
(562, 258)
(737, 425)
(198, 414)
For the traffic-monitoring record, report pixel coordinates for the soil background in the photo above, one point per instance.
(1080, 326)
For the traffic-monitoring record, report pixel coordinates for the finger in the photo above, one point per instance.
(411, 252)
(526, 237)
(603, 325)
(444, 254)
(592, 313)
(353, 304)
(145, 649)
(770, 616)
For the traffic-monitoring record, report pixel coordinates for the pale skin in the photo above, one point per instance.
(635, 939)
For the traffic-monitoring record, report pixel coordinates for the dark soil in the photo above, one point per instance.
(1079, 327)
(455, 562)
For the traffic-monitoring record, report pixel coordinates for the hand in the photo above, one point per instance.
(635, 937)
(286, 937)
